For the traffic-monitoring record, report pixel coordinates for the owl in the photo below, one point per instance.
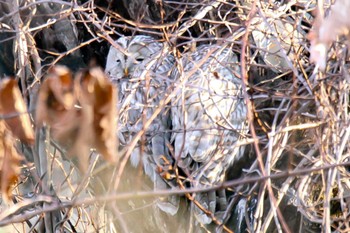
(209, 122)
(277, 39)
(140, 67)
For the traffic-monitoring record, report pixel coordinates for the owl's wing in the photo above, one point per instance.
(140, 100)
(209, 118)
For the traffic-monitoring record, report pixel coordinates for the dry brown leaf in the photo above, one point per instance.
(325, 31)
(9, 161)
(78, 129)
(337, 23)
(14, 110)
(56, 106)
(98, 100)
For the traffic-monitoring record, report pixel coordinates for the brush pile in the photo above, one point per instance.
(293, 58)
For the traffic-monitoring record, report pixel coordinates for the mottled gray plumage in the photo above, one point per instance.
(141, 73)
(209, 117)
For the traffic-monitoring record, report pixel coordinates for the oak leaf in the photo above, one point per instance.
(97, 97)
(9, 161)
(14, 111)
(56, 106)
(326, 30)
(81, 113)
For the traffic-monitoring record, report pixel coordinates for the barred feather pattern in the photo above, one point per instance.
(209, 118)
(140, 67)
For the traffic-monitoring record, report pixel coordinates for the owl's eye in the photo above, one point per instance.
(140, 59)
(117, 61)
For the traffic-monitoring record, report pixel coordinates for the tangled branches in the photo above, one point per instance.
(294, 174)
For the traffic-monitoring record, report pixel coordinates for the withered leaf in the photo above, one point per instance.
(97, 97)
(78, 129)
(14, 111)
(56, 105)
(9, 161)
(326, 30)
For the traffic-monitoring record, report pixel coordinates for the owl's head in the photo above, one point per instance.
(137, 50)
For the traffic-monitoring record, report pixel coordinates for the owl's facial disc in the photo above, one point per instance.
(115, 64)
(122, 65)
(138, 53)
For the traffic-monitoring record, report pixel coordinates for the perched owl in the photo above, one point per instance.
(278, 41)
(209, 118)
(140, 67)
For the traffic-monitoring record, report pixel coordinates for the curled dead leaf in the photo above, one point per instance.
(81, 113)
(326, 30)
(9, 161)
(56, 105)
(14, 111)
(98, 100)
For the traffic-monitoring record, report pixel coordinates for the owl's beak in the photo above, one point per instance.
(126, 72)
